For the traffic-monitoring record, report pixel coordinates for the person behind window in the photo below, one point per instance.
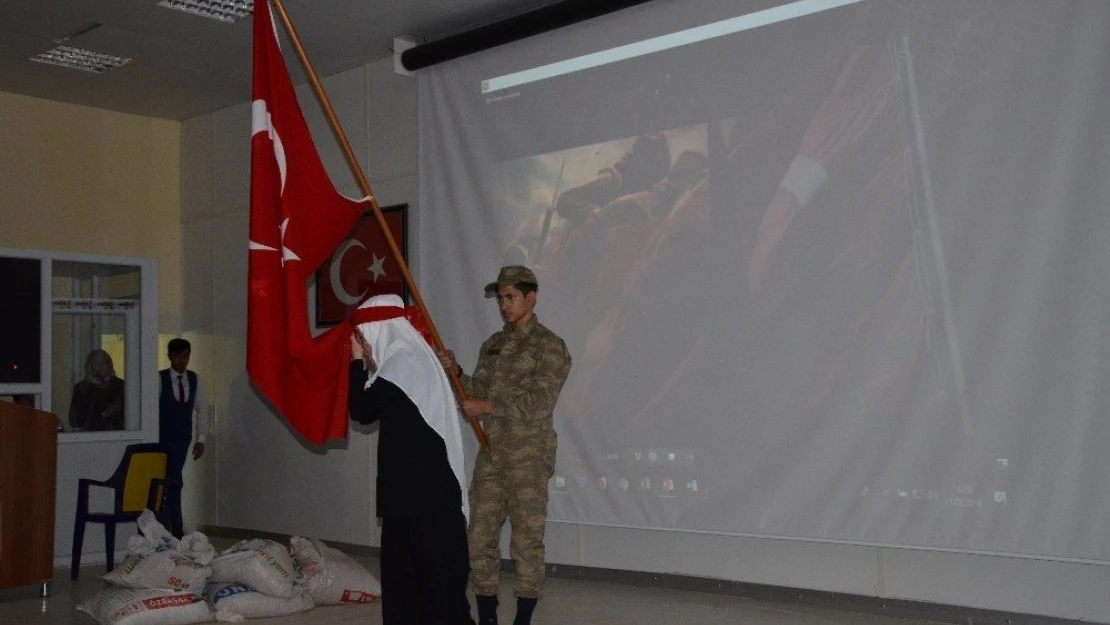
(97, 402)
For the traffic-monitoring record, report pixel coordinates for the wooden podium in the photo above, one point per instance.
(28, 468)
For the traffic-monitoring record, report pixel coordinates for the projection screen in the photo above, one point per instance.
(828, 270)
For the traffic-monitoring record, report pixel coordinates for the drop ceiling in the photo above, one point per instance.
(183, 65)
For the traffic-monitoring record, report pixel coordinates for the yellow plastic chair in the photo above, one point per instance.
(139, 483)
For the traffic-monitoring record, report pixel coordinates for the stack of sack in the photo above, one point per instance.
(256, 579)
(159, 583)
(259, 578)
(165, 581)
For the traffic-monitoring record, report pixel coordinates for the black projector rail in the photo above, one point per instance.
(534, 22)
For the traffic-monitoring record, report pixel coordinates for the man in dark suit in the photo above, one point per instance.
(180, 398)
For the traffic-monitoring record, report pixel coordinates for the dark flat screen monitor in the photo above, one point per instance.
(20, 320)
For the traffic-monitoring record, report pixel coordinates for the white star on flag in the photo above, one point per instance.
(286, 253)
(377, 267)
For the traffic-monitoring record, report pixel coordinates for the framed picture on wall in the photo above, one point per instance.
(362, 266)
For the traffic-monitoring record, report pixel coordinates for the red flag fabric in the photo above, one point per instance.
(361, 268)
(297, 219)
(416, 318)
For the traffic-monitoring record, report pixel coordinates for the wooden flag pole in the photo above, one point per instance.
(364, 185)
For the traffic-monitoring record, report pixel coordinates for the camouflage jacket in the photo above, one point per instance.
(522, 373)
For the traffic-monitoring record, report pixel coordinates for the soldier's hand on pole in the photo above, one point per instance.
(477, 407)
(447, 359)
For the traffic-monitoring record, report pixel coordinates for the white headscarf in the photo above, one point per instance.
(405, 359)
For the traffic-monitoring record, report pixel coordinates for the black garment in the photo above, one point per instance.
(424, 570)
(94, 408)
(524, 608)
(487, 609)
(425, 563)
(414, 476)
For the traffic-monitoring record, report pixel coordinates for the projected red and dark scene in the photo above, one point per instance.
(813, 276)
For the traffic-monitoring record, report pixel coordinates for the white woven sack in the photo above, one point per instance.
(146, 606)
(153, 538)
(160, 570)
(235, 602)
(331, 576)
(261, 564)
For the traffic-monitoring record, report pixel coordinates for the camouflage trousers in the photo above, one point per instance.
(516, 490)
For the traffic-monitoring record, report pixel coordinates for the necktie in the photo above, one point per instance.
(181, 389)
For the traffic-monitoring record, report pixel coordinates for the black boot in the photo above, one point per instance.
(464, 615)
(487, 609)
(524, 608)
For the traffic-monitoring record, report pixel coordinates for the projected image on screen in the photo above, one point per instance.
(833, 272)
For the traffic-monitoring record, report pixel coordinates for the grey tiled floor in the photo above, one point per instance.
(566, 602)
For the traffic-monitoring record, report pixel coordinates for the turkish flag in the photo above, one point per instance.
(297, 219)
(361, 268)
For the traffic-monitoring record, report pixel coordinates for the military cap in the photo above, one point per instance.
(511, 276)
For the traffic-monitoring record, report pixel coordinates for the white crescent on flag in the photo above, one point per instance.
(337, 281)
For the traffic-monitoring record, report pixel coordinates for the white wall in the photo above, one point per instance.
(265, 479)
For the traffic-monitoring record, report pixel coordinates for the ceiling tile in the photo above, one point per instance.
(34, 22)
(23, 47)
(99, 11)
(160, 51)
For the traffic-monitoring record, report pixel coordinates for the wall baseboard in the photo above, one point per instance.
(897, 608)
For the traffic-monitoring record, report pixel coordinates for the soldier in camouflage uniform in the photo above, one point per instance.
(517, 380)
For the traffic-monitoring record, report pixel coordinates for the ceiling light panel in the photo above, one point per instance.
(81, 59)
(223, 10)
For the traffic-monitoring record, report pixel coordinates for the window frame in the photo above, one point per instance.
(145, 352)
